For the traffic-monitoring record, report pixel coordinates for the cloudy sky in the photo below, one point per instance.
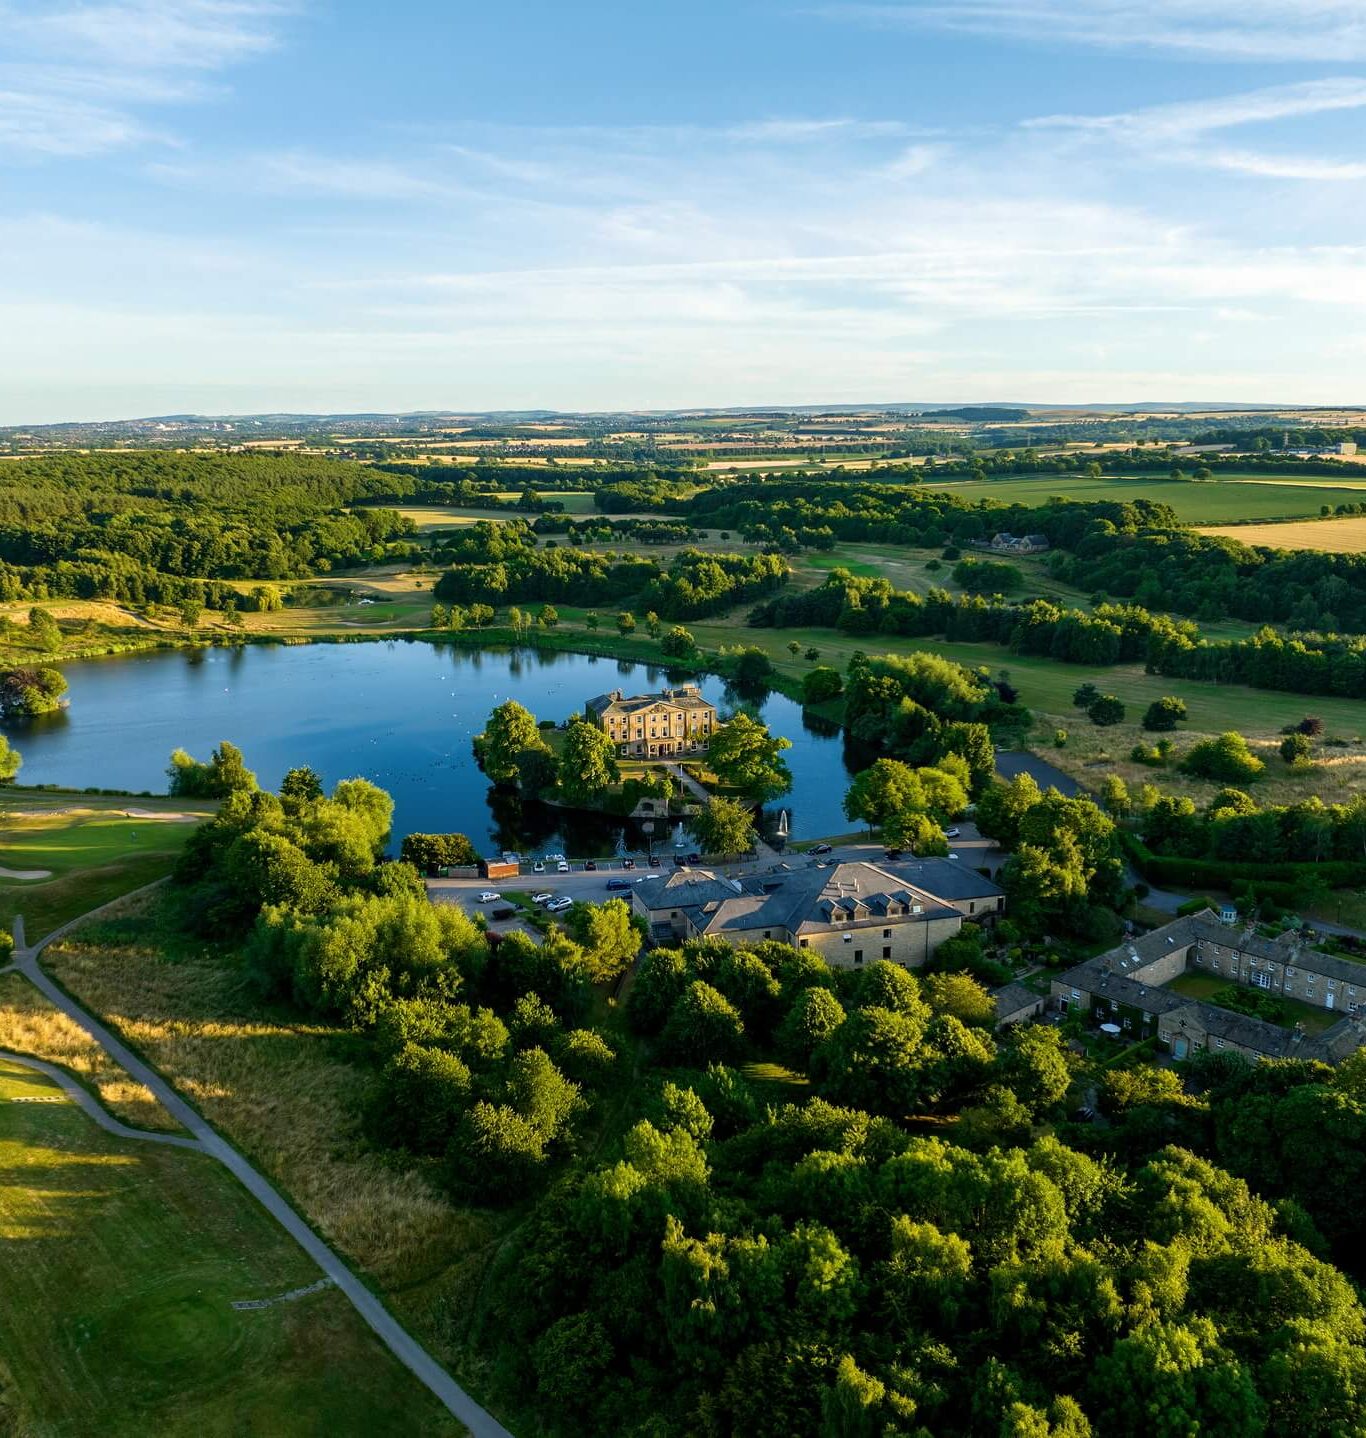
(236, 205)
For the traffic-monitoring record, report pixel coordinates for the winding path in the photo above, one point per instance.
(206, 1139)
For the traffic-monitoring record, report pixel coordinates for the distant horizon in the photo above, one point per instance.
(529, 413)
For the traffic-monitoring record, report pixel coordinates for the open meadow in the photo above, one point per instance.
(62, 855)
(1328, 536)
(1225, 500)
(123, 1260)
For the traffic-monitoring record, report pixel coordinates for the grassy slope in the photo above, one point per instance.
(122, 1261)
(93, 849)
(292, 1096)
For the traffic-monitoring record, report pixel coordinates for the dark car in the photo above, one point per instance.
(680, 862)
(618, 884)
(694, 858)
(893, 853)
(821, 849)
(590, 865)
(628, 863)
(654, 861)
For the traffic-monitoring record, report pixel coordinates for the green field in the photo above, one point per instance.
(1218, 502)
(93, 848)
(122, 1261)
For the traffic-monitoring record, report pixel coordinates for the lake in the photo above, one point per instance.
(401, 714)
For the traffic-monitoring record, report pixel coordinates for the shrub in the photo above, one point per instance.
(1226, 760)
(1296, 749)
(1164, 714)
(1106, 711)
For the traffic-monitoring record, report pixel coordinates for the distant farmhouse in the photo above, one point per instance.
(1005, 543)
(851, 914)
(650, 726)
(1125, 987)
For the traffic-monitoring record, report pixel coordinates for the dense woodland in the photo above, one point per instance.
(889, 1228)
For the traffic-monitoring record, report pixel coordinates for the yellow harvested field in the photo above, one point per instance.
(1328, 536)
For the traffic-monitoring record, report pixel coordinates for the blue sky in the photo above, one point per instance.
(243, 205)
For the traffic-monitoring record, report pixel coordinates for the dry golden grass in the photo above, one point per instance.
(1327, 536)
(290, 1096)
(1335, 776)
(29, 1024)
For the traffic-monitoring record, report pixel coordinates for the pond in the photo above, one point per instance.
(399, 713)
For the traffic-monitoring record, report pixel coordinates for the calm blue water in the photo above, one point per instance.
(400, 714)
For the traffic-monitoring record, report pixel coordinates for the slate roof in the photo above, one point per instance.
(796, 900)
(944, 879)
(1012, 998)
(686, 697)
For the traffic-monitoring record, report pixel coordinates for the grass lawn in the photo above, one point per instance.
(1204, 986)
(122, 1262)
(1217, 502)
(93, 848)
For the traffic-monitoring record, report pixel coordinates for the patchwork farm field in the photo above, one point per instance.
(123, 1260)
(1221, 501)
(1327, 536)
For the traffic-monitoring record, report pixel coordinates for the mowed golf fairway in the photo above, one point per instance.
(92, 849)
(1214, 502)
(122, 1260)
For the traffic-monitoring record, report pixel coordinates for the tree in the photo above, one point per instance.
(425, 1093)
(813, 1017)
(548, 616)
(25, 693)
(1086, 696)
(1114, 796)
(588, 763)
(891, 796)
(300, 786)
(441, 617)
(1106, 711)
(591, 620)
(745, 756)
(626, 623)
(428, 852)
(1163, 715)
(751, 668)
(873, 1061)
(704, 1027)
(1226, 760)
(724, 827)
(821, 685)
(812, 655)
(10, 761)
(678, 643)
(225, 773)
(1296, 750)
(794, 647)
(608, 937)
(510, 731)
(190, 610)
(44, 630)
(653, 626)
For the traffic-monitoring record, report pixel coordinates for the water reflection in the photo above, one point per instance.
(400, 714)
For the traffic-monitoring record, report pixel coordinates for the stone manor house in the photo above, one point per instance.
(655, 726)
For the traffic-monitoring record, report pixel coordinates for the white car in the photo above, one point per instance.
(543, 898)
(954, 856)
(558, 906)
(489, 897)
(952, 833)
(554, 858)
(538, 867)
(562, 867)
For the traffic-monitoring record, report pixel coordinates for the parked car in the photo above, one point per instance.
(558, 906)
(538, 867)
(489, 896)
(654, 861)
(694, 858)
(821, 849)
(618, 884)
(554, 858)
(542, 898)
(628, 863)
(680, 862)
(953, 855)
(952, 833)
(511, 856)
(561, 867)
(590, 866)
(893, 853)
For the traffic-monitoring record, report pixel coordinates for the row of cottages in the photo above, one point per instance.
(1126, 987)
(655, 726)
(851, 914)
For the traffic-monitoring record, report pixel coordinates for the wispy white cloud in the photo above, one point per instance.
(1175, 133)
(76, 77)
(1246, 30)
